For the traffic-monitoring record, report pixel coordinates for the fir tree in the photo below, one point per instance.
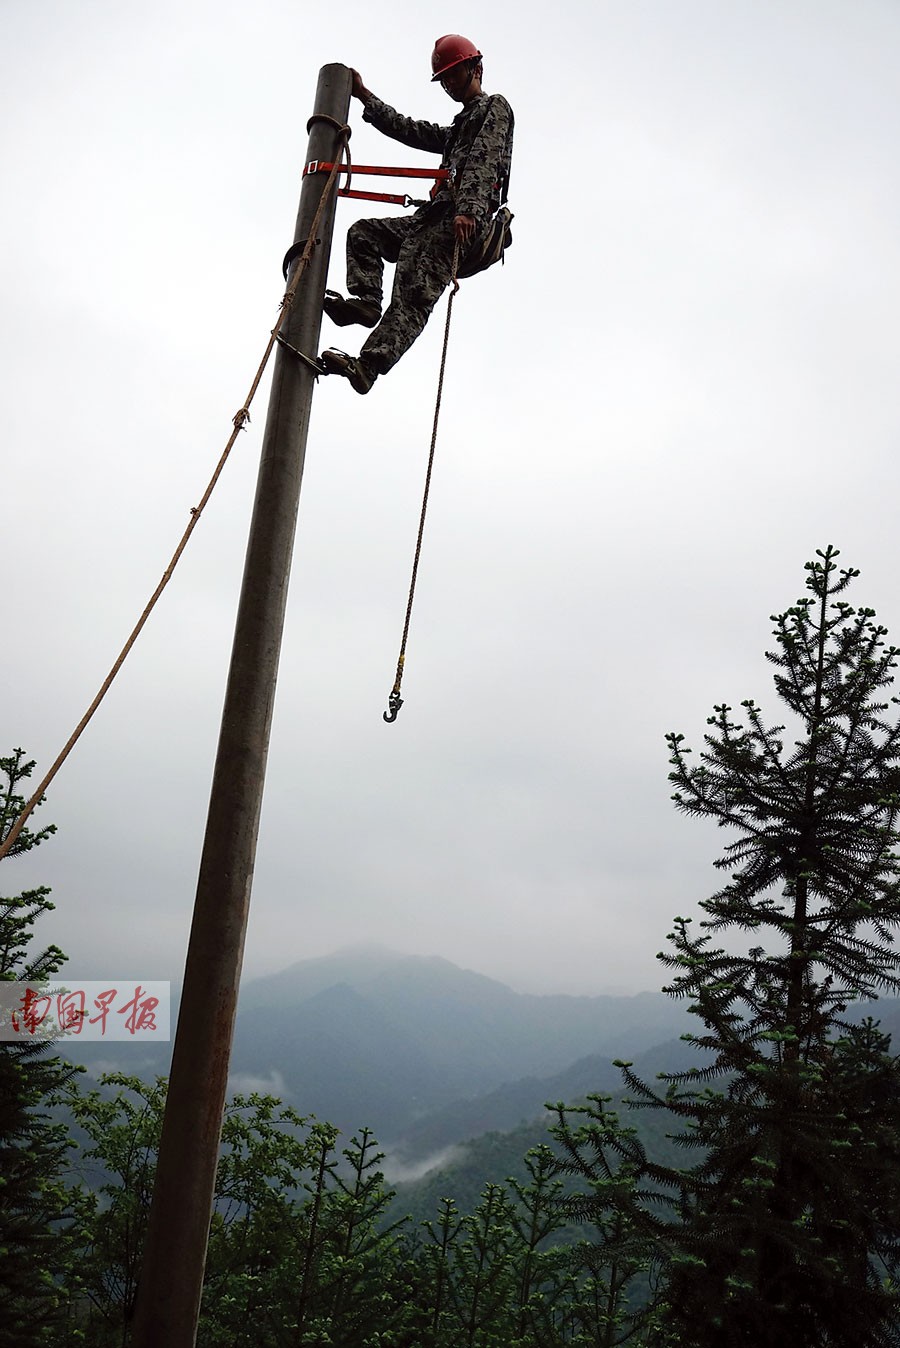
(786, 1223)
(482, 1286)
(436, 1262)
(612, 1266)
(542, 1267)
(32, 1147)
(359, 1258)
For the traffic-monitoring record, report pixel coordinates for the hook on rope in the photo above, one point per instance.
(395, 702)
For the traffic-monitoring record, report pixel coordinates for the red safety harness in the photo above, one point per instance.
(437, 175)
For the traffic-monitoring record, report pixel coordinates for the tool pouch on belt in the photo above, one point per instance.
(491, 248)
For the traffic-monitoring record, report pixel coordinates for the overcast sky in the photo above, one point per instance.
(682, 383)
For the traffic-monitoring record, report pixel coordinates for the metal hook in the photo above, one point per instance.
(395, 702)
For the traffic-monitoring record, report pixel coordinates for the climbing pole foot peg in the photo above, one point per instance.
(296, 250)
(317, 366)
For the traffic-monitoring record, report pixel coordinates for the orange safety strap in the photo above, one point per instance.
(319, 166)
(437, 175)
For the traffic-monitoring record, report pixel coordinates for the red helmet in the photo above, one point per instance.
(451, 51)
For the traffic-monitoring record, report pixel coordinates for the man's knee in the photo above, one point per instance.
(361, 231)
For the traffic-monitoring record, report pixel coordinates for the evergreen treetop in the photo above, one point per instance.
(814, 863)
(780, 1231)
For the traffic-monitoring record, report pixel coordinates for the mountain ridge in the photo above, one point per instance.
(384, 1039)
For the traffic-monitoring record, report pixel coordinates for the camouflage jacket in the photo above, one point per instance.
(476, 148)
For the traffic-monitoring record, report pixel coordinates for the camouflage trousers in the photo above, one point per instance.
(421, 246)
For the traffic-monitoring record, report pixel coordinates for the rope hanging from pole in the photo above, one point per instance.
(395, 701)
(239, 421)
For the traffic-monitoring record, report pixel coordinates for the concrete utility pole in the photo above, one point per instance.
(171, 1281)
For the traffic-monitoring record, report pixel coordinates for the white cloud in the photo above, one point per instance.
(245, 1083)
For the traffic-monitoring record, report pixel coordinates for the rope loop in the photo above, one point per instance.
(323, 119)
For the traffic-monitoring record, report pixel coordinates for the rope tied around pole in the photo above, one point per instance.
(395, 701)
(239, 421)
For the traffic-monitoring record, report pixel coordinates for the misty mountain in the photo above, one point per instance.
(427, 1054)
(456, 1151)
(518, 1104)
(371, 1036)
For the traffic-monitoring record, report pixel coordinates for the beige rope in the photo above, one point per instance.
(240, 419)
(395, 701)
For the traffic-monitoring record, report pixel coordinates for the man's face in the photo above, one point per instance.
(456, 81)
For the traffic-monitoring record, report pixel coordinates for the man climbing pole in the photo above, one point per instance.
(476, 149)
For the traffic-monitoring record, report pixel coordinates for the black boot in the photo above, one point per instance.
(338, 362)
(344, 312)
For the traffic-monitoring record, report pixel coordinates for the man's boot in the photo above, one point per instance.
(338, 362)
(344, 312)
